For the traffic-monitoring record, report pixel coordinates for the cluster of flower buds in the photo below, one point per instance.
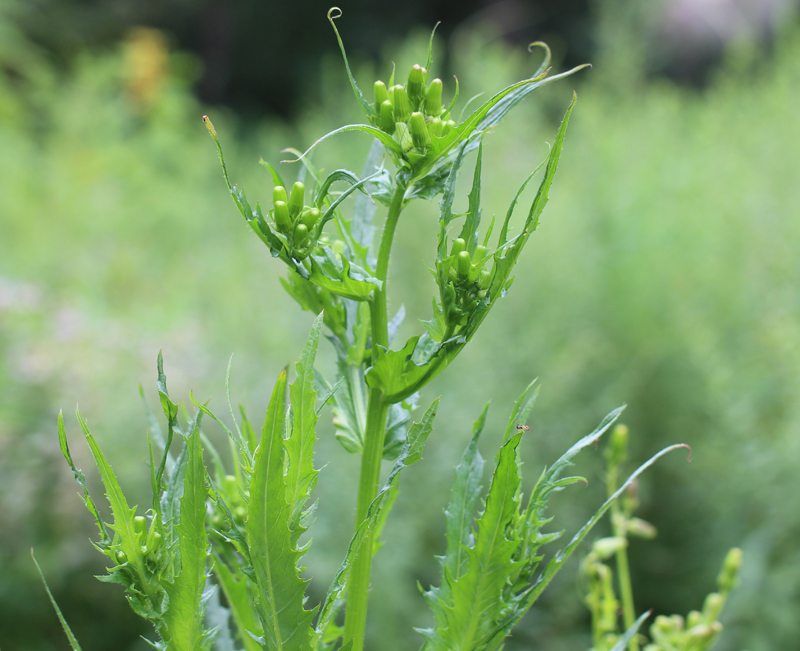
(468, 282)
(236, 503)
(149, 542)
(413, 113)
(294, 218)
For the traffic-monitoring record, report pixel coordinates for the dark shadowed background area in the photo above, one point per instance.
(665, 275)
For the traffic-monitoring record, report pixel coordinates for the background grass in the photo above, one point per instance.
(664, 275)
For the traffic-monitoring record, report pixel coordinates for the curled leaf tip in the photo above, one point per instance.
(334, 13)
(688, 447)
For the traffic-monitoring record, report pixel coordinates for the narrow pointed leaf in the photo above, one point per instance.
(73, 642)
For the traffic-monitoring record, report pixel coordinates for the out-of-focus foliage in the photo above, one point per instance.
(664, 275)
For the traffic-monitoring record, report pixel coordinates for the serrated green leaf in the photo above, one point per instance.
(476, 597)
(521, 411)
(184, 616)
(463, 500)
(469, 232)
(287, 625)
(339, 276)
(301, 476)
(239, 599)
(73, 641)
(123, 514)
(81, 479)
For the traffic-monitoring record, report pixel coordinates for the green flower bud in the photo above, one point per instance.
(607, 547)
(139, 524)
(296, 199)
(121, 557)
(694, 618)
(402, 105)
(639, 528)
(300, 235)
(705, 633)
(484, 279)
(239, 513)
(458, 246)
(449, 125)
(433, 101)
(436, 127)
(416, 84)
(617, 449)
(381, 96)
(154, 542)
(480, 253)
(419, 131)
(403, 136)
(310, 217)
(729, 575)
(283, 220)
(387, 117)
(278, 194)
(338, 247)
(712, 606)
(230, 486)
(463, 263)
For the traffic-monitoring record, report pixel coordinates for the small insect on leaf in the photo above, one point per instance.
(524, 428)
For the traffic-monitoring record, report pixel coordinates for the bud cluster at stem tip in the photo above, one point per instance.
(292, 217)
(412, 114)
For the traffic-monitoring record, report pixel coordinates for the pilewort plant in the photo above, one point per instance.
(215, 562)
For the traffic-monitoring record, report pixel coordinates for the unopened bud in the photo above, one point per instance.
(403, 136)
(694, 618)
(155, 541)
(436, 127)
(338, 247)
(449, 125)
(416, 84)
(458, 246)
(402, 105)
(296, 199)
(729, 575)
(607, 547)
(282, 218)
(419, 131)
(310, 217)
(480, 253)
(463, 263)
(705, 633)
(121, 557)
(617, 449)
(387, 117)
(279, 194)
(300, 235)
(230, 486)
(639, 528)
(433, 101)
(484, 279)
(381, 96)
(239, 513)
(139, 524)
(712, 606)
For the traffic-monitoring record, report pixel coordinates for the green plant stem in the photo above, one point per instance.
(377, 411)
(623, 569)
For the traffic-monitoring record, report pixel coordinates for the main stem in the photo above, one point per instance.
(377, 409)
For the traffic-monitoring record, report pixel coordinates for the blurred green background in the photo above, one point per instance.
(664, 275)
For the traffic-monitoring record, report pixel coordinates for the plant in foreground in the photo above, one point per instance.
(235, 530)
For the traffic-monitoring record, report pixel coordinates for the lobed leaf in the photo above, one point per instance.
(286, 623)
